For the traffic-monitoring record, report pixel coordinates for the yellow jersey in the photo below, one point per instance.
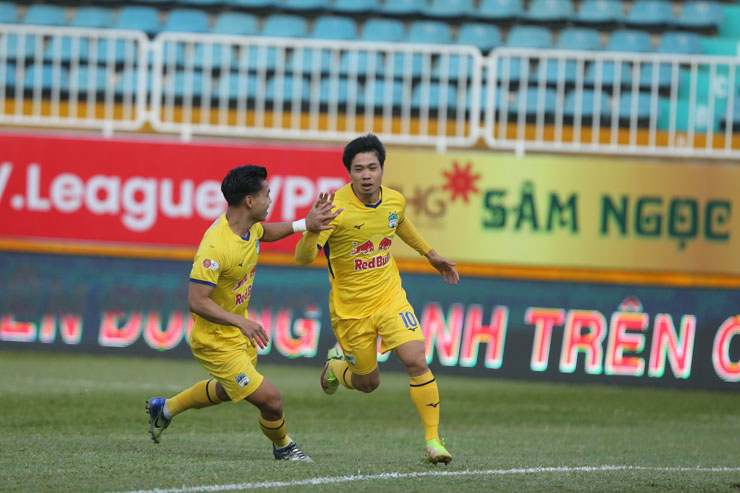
(227, 262)
(362, 271)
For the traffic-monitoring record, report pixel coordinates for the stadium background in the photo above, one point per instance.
(587, 191)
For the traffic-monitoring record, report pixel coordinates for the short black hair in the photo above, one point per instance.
(366, 143)
(242, 181)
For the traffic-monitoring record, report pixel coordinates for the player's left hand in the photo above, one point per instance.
(320, 215)
(444, 266)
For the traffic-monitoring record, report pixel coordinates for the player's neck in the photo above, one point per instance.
(367, 198)
(239, 220)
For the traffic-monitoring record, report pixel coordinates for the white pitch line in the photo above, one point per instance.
(403, 475)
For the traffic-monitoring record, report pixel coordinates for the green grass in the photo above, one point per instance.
(77, 423)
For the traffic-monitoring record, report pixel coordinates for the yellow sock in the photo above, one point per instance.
(340, 369)
(275, 431)
(425, 394)
(202, 394)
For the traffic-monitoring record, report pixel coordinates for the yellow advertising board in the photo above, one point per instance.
(573, 212)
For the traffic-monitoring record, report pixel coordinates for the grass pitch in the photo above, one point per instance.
(77, 423)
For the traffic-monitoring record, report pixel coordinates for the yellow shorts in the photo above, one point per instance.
(395, 323)
(234, 366)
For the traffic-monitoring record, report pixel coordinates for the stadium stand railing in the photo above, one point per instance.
(440, 95)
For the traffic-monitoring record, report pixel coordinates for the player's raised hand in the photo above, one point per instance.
(320, 215)
(255, 333)
(444, 266)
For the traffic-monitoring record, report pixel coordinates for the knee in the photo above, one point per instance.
(367, 385)
(221, 393)
(273, 405)
(416, 367)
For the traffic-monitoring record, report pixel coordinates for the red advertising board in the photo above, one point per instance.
(150, 192)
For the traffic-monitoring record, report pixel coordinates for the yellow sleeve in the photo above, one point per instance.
(309, 245)
(408, 233)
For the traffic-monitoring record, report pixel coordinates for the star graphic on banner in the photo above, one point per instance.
(461, 181)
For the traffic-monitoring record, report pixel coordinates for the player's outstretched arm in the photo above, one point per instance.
(444, 266)
(317, 219)
(200, 302)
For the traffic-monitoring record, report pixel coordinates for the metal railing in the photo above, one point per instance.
(326, 90)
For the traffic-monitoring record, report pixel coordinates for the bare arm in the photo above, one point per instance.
(200, 302)
(317, 219)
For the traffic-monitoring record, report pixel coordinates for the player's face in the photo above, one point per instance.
(366, 176)
(261, 202)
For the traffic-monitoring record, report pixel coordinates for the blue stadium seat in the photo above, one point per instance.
(355, 7)
(663, 76)
(47, 15)
(483, 98)
(457, 67)
(201, 3)
(501, 10)
(48, 77)
(8, 13)
(390, 30)
(257, 58)
(29, 46)
(642, 111)
(128, 80)
(376, 95)
(532, 104)
(285, 26)
(514, 69)
(325, 60)
(450, 9)
(9, 76)
(336, 91)
(63, 47)
(403, 7)
(236, 23)
(680, 42)
(287, 85)
(122, 51)
(432, 94)
(552, 71)
(609, 74)
(303, 6)
(529, 37)
(139, 18)
(433, 32)
(237, 87)
(334, 27)
(651, 13)
(254, 4)
(700, 15)
(550, 11)
(579, 38)
(485, 37)
(415, 64)
(186, 20)
(588, 105)
(600, 12)
(182, 81)
(98, 17)
(629, 40)
(88, 79)
(215, 53)
(362, 63)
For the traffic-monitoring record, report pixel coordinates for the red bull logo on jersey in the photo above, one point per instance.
(384, 244)
(364, 248)
(249, 275)
(374, 263)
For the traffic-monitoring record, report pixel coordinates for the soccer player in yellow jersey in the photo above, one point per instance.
(367, 299)
(223, 339)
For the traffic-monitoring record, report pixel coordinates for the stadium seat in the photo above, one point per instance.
(501, 10)
(483, 98)
(185, 84)
(214, 53)
(651, 14)
(334, 27)
(362, 63)
(531, 100)
(8, 13)
(641, 110)
(285, 26)
(97, 17)
(457, 67)
(579, 38)
(254, 4)
(89, 79)
(355, 7)
(47, 15)
(287, 85)
(325, 60)
(304, 6)
(450, 9)
(63, 47)
(700, 15)
(629, 40)
(588, 105)
(234, 86)
(529, 37)
(257, 58)
(236, 23)
(609, 74)
(206, 4)
(48, 77)
(600, 13)
(431, 96)
(139, 18)
(375, 94)
(680, 42)
(514, 67)
(432, 32)
(390, 30)
(128, 80)
(414, 64)
(403, 7)
(9, 75)
(125, 50)
(555, 70)
(663, 75)
(28, 47)
(336, 91)
(186, 20)
(550, 11)
(485, 37)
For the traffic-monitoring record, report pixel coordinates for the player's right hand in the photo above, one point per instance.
(321, 215)
(255, 333)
